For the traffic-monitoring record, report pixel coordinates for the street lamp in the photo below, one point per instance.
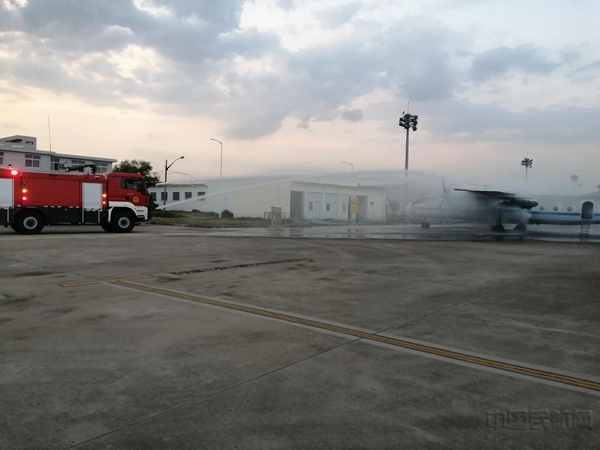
(216, 140)
(527, 163)
(351, 165)
(408, 121)
(167, 167)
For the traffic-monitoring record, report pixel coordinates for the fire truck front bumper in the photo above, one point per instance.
(142, 213)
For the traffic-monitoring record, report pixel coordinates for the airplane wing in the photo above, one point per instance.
(500, 198)
(487, 192)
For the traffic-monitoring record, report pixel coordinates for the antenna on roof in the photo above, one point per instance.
(49, 135)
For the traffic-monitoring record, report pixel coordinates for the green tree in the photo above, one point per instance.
(142, 167)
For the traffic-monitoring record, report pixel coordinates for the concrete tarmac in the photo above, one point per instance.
(336, 343)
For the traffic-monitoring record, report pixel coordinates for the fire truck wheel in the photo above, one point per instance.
(122, 221)
(29, 222)
(106, 227)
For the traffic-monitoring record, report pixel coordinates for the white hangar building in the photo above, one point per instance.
(253, 197)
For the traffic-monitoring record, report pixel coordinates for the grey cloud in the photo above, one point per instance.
(493, 122)
(304, 123)
(319, 81)
(254, 124)
(77, 17)
(461, 52)
(250, 42)
(412, 57)
(497, 62)
(588, 72)
(49, 72)
(286, 5)
(12, 92)
(335, 17)
(224, 14)
(457, 120)
(199, 29)
(353, 115)
(326, 116)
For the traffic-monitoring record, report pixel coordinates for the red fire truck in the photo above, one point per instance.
(31, 200)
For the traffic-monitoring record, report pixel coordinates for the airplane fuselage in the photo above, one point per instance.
(556, 210)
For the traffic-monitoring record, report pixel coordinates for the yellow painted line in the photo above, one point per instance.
(88, 283)
(542, 374)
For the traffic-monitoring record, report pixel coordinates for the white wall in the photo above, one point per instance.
(244, 197)
(253, 197)
(337, 197)
(17, 160)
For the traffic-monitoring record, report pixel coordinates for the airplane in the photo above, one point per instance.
(500, 207)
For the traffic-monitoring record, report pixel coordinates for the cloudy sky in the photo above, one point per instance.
(297, 86)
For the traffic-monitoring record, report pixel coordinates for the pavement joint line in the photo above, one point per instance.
(240, 266)
(206, 397)
(88, 283)
(428, 349)
(188, 272)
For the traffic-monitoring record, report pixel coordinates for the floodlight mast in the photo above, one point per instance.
(408, 121)
(527, 163)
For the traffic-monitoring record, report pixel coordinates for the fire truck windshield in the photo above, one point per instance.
(133, 183)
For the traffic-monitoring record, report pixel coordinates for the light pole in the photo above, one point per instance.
(167, 167)
(527, 163)
(408, 121)
(350, 164)
(216, 140)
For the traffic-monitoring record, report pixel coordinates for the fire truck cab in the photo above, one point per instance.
(31, 200)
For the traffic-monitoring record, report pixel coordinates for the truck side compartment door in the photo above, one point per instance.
(91, 202)
(6, 199)
(7, 195)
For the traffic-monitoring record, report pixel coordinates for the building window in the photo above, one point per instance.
(344, 207)
(188, 195)
(1, 158)
(77, 162)
(201, 194)
(175, 196)
(54, 164)
(164, 196)
(328, 207)
(310, 206)
(32, 160)
(153, 195)
(101, 167)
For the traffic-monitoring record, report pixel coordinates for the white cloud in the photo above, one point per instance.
(474, 72)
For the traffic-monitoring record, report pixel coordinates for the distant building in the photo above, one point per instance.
(253, 197)
(174, 192)
(592, 194)
(21, 152)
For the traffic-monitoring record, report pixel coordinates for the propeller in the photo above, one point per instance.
(447, 193)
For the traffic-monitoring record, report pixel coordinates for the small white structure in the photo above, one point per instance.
(253, 197)
(168, 193)
(21, 152)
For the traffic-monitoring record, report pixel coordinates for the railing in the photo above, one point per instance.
(275, 218)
